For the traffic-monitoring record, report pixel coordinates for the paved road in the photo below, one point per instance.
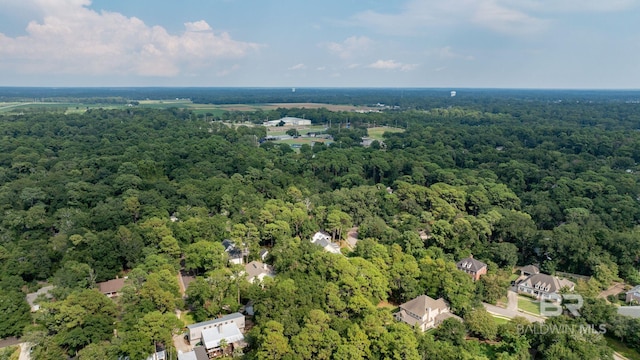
(9, 342)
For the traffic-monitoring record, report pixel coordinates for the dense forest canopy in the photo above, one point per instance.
(512, 177)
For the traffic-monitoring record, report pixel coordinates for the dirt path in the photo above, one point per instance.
(615, 289)
(181, 283)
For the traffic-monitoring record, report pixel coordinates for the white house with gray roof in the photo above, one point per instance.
(545, 287)
(424, 312)
(229, 333)
(195, 330)
(323, 240)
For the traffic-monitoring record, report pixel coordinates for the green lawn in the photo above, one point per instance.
(187, 318)
(303, 130)
(376, 132)
(528, 305)
(622, 348)
(499, 320)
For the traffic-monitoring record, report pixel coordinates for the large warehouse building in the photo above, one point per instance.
(288, 121)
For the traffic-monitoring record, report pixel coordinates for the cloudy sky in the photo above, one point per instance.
(321, 43)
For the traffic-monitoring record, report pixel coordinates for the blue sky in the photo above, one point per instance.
(331, 43)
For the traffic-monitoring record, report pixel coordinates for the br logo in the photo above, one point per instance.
(571, 302)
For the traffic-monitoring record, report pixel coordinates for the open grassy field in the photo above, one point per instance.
(376, 132)
(282, 130)
(214, 109)
(67, 108)
(301, 141)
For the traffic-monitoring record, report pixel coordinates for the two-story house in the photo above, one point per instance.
(544, 287)
(472, 267)
(424, 312)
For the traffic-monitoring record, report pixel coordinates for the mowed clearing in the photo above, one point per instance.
(376, 132)
(213, 109)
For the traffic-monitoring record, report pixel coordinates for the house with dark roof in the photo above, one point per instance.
(633, 295)
(424, 312)
(323, 240)
(236, 254)
(544, 287)
(472, 267)
(112, 287)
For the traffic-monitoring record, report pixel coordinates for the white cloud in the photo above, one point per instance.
(74, 39)
(416, 16)
(574, 6)
(349, 47)
(298, 67)
(321, 68)
(391, 65)
(197, 26)
(353, 66)
(501, 19)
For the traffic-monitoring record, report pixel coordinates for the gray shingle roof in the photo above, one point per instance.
(470, 264)
(256, 268)
(530, 269)
(420, 305)
(634, 290)
(546, 283)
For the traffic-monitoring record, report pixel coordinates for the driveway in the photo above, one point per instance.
(512, 300)
(492, 309)
(615, 289)
(24, 351)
